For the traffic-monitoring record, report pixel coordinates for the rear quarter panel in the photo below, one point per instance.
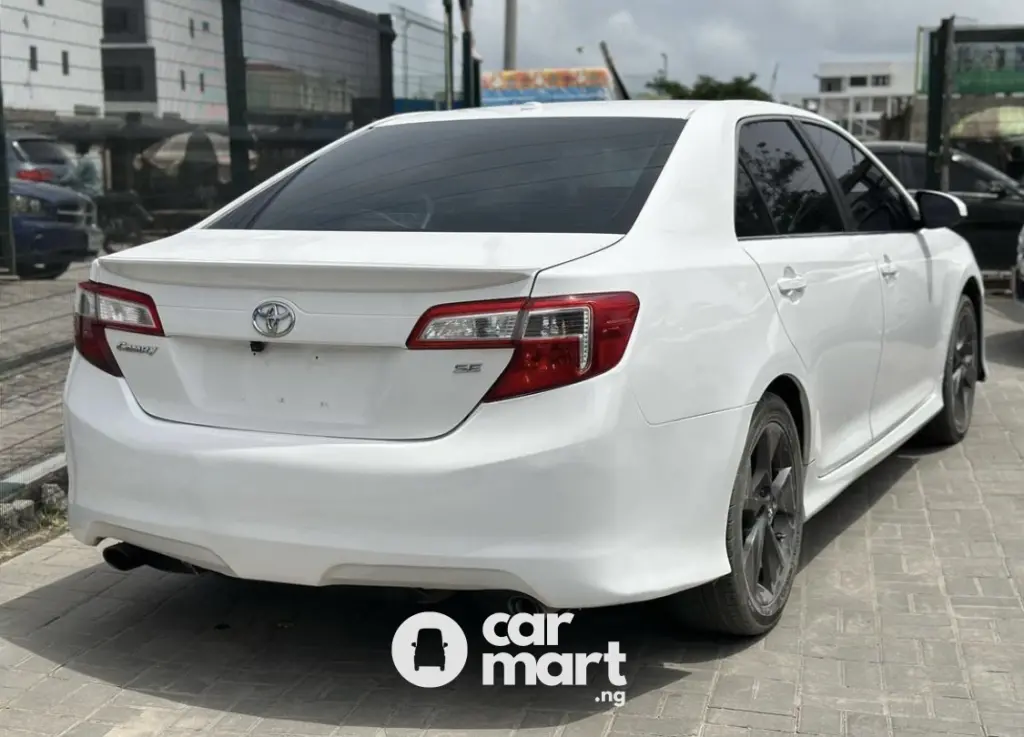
(708, 337)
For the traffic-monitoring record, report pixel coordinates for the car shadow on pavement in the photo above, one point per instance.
(851, 506)
(206, 646)
(1006, 347)
(263, 651)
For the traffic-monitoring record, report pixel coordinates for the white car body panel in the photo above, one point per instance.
(841, 279)
(344, 371)
(612, 490)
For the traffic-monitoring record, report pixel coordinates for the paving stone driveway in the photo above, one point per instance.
(907, 620)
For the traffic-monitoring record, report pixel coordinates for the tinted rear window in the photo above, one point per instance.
(41, 151)
(549, 175)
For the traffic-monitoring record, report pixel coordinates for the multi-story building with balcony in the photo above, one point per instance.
(856, 95)
(164, 58)
(90, 58)
(50, 60)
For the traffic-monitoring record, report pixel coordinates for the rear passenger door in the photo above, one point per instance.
(886, 227)
(824, 282)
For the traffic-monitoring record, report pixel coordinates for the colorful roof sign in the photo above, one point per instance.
(546, 85)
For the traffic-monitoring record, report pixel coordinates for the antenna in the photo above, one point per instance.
(620, 88)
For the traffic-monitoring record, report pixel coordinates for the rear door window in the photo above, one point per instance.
(891, 161)
(752, 218)
(507, 175)
(789, 182)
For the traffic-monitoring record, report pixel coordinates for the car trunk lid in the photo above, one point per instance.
(342, 369)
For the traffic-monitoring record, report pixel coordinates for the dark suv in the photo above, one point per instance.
(32, 157)
(995, 202)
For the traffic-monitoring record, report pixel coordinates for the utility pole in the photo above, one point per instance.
(664, 65)
(511, 30)
(940, 75)
(236, 82)
(7, 255)
(403, 15)
(468, 67)
(449, 56)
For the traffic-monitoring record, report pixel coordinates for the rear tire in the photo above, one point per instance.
(763, 534)
(959, 379)
(36, 272)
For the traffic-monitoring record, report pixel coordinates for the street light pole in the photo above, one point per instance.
(469, 66)
(449, 56)
(406, 23)
(511, 30)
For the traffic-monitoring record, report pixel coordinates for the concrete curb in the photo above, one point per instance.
(24, 481)
(28, 493)
(41, 354)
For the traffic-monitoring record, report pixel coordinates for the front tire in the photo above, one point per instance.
(763, 533)
(37, 272)
(959, 379)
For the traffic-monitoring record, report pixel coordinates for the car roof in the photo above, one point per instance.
(681, 109)
(16, 135)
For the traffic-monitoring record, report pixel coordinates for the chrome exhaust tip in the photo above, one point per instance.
(525, 605)
(123, 557)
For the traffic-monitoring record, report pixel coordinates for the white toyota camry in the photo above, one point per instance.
(588, 353)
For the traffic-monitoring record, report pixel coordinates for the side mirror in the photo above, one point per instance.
(939, 210)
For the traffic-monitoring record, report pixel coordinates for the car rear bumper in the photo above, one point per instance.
(568, 496)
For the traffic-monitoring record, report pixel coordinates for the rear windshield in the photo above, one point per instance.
(541, 175)
(42, 151)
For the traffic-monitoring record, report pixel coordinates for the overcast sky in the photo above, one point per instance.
(716, 37)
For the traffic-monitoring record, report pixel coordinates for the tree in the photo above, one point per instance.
(709, 88)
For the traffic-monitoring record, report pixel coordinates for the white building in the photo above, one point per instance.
(857, 94)
(77, 58)
(50, 62)
(164, 58)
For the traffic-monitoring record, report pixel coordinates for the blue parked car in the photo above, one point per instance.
(53, 227)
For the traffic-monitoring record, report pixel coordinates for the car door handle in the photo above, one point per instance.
(888, 269)
(791, 286)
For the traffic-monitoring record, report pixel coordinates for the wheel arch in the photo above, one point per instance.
(789, 389)
(973, 290)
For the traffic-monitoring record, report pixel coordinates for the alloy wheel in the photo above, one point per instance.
(964, 376)
(770, 519)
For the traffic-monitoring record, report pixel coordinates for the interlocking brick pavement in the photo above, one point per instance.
(35, 338)
(907, 619)
(36, 314)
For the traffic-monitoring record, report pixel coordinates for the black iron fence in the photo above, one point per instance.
(196, 109)
(161, 115)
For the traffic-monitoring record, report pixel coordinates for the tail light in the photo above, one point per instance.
(35, 175)
(556, 341)
(101, 307)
